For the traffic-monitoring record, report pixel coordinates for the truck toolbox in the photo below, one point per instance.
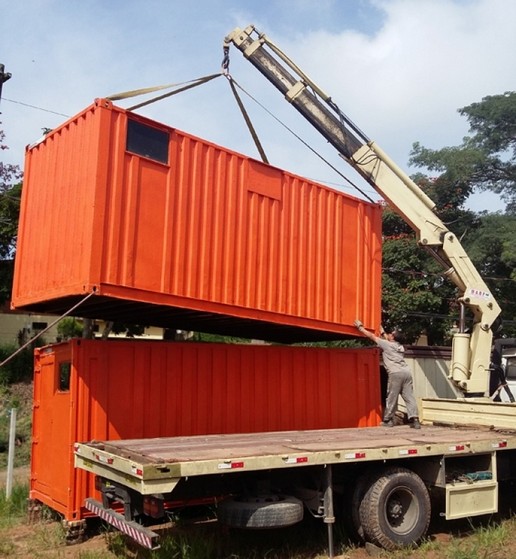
(92, 389)
(174, 231)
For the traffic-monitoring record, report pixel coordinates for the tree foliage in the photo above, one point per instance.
(10, 193)
(486, 160)
(415, 297)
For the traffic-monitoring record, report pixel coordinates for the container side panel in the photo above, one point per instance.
(126, 390)
(206, 231)
(219, 229)
(58, 211)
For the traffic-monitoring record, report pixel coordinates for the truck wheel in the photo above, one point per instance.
(359, 491)
(395, 510)
(262, 511)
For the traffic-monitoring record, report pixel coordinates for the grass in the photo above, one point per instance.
(208, 540)
(15, 508)
(485, 542)
(17, 396)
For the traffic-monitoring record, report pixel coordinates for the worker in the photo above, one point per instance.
(399, 376)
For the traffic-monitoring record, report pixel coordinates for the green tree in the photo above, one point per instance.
(69, 327)
(486, 160)
(493, 250)
(415, 297)
(10, 193)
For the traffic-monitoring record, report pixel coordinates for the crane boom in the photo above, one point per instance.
(470, 351)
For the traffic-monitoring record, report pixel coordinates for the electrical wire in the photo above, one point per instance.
(34, 107)
(350, 182)
(32, 340)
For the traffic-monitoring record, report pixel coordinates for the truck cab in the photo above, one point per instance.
(508, 364)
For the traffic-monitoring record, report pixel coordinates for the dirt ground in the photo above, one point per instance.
(455, 540)
(20, 475)
(25, 541)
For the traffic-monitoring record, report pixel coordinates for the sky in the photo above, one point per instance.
(399, 69)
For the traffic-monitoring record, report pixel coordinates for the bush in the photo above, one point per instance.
(19, 368)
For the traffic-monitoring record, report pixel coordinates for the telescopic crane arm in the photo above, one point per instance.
(470, 351)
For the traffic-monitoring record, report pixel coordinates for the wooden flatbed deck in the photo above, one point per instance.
(152, 464)
(212, 447)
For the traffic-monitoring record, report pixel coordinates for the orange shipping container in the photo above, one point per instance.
(170, 230)
(86, 389)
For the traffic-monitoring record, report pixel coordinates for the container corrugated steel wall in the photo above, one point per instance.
(125, 390)
(209, 241)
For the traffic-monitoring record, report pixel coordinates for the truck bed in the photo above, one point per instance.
(157, 465)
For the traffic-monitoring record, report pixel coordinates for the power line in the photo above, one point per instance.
(35, 107)
(435, 274)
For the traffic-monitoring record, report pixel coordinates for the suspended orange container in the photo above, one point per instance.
(108, 390)
(170, 230)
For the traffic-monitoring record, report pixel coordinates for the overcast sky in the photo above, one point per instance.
(399, 69)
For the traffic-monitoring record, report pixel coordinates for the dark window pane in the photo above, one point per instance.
(64, 376)
(147, 141)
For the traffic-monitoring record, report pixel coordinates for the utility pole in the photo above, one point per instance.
(4, 76)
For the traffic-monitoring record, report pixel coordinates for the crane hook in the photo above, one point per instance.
(225, 60)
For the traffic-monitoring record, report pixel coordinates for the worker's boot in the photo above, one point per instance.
(388, 423)
(415, 423)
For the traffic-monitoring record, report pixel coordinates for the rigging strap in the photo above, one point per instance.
(250, 126)
(193, 83)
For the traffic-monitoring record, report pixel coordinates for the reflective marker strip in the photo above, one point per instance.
(136, 471)
(299, 460)
(230, 465)
(408, 452)
(355, 455)
(103, 459)
(143, 536)
(501, 444)
(457, 447)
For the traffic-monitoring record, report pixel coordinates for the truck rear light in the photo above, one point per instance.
(153, 506)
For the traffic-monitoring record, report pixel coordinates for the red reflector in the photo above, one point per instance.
(501, 444)
(302, 459)
(355, 455)
(457, 447)
(408, 452)
(230, 465)
(103, 459)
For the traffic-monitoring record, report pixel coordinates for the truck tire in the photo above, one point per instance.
(356, 530)
(261, 511)
(395, 510)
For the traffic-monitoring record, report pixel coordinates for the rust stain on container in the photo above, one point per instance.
(176, 231)
(86, 389)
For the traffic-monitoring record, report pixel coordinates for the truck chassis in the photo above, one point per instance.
(386, 476)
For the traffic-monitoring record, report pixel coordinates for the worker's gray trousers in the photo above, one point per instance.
(400, 384)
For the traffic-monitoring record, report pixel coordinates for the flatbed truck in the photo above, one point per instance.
(389, 478)
(384, 476)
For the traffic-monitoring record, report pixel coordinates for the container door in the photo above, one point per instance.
(52, 425)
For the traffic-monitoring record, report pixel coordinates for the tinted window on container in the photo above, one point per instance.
(64, 376)
(147, 141)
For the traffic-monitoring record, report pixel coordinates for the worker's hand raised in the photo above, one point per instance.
(358, 324)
